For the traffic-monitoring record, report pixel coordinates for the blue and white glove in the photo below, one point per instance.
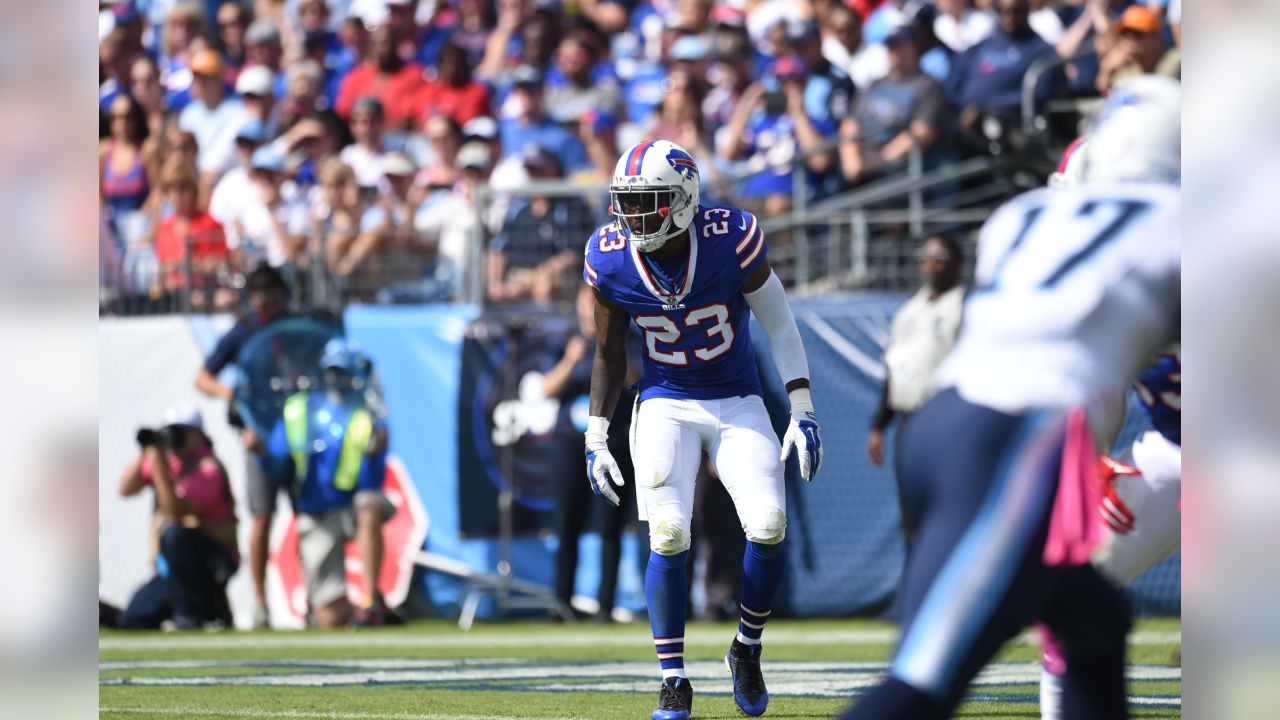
(803, 434)
(601, 467)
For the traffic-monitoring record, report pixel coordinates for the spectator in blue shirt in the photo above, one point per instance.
(329, 448)
(535, 255)
(987, 78)
(531, 126)
(771, 129)
(114, 62)
(828, 93)
(268, 301)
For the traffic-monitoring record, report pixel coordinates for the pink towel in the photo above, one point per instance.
(1074, 526)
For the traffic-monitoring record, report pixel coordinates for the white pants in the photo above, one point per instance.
(668, 437)
(1153, 498)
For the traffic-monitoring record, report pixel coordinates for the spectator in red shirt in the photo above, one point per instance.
(453, 92)
(191, 227)
(385, 76)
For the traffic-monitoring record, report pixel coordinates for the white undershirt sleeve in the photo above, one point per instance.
(769, 303)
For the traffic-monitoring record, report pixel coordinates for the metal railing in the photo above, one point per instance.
(828, 242)
(1032, 116)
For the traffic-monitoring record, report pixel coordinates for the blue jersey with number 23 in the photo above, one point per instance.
(690, 309)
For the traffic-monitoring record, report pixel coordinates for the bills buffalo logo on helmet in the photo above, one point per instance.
(682, 163)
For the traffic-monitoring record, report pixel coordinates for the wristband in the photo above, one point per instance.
(597, 430)
(801, 401)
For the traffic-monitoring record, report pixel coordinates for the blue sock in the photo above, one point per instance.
(667, 591)
(762, 567)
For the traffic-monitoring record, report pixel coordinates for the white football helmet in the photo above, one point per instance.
(1137, 135)
(654, 193)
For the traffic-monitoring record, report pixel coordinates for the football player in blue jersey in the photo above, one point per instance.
(687, 275)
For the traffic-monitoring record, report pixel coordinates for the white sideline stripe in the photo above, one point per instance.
(568, 638)
(193, 711)
(796, 677)
(878, 333)
(339, 663)
(844, 348)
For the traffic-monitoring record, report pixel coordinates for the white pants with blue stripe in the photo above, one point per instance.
(668, 437)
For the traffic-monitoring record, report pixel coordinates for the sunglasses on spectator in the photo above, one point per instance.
(922, 256)
(1131, 33)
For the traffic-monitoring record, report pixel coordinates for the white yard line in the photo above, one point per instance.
(564, 638)
(830, 679)
(194, 711)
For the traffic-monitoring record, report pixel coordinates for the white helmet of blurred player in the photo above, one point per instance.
(1137, 135)
(654, 193)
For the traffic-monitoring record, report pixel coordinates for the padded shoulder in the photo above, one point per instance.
(604, 253)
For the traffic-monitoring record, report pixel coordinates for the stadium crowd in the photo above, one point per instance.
(349, 139)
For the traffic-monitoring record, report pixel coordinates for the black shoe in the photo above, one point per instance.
(675, 699)
(367, 617)
(389, 616)
(749, 692)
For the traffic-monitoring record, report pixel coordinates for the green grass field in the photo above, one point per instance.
(430, 670)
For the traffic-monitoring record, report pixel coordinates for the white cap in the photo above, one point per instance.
(189, 416)
(397, 163)
(256, 80)
(474, 155)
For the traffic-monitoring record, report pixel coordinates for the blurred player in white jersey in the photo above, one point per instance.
(690, 277)
(1075, 290)
(1140, 503)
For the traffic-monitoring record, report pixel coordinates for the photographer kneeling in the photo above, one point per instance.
(196, 553)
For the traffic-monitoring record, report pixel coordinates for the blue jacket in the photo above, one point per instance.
(989, 74)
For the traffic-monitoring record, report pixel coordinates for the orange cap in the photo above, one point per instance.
(206, 62)
(1139, 19)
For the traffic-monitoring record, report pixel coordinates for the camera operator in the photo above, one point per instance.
(268, 296)
(197, 529)
(330, 450)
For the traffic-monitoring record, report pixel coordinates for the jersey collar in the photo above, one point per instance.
(654, 288)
